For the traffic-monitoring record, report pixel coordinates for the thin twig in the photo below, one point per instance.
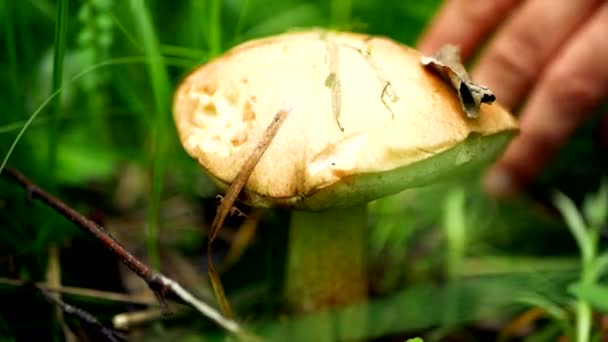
(160, 284)
(128, 320)
(84, 292)
(108, 333)
(53, 277)
(231, 195)
(241, 178)
(34, 192)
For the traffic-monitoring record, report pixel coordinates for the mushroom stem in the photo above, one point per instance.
(327, 264)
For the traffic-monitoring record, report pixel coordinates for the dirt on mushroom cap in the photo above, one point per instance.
(359, 105)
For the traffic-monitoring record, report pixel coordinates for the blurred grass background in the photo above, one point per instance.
(86, 88)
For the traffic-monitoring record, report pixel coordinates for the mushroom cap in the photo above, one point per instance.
(366, 120)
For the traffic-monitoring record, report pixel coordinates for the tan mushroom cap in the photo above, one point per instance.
(392, 110)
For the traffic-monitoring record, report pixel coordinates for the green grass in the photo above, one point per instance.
(586, 228)
(87, 113)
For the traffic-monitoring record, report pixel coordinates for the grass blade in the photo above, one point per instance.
(575, 223)
(58, 57)
(160, 87)
(43, 105)
(215, 28)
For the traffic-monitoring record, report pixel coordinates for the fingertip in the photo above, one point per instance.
(426, 46)
(500, 182)
(521, 162)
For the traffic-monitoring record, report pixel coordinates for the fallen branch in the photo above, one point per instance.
(160, 284)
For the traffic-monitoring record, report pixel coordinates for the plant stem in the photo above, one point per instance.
(327, 264)
(583, 321)
(583, 309)
(454, 226)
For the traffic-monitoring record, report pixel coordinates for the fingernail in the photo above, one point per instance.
(500, 183)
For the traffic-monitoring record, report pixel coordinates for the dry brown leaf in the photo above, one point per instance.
(226, 205)
(447, 63)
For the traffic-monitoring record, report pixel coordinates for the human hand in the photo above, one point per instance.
(549, 57)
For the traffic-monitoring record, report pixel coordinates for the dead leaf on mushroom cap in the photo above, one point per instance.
(447, 63)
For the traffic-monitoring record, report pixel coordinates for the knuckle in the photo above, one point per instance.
(542, 139)
(515, 57)
(571, 88)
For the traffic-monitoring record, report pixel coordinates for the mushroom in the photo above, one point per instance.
(366, 120)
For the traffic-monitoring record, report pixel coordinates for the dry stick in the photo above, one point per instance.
(128, 320)
(157, 282)
(231, 195)
(86, 317)
(53, 277)
(84, 292)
